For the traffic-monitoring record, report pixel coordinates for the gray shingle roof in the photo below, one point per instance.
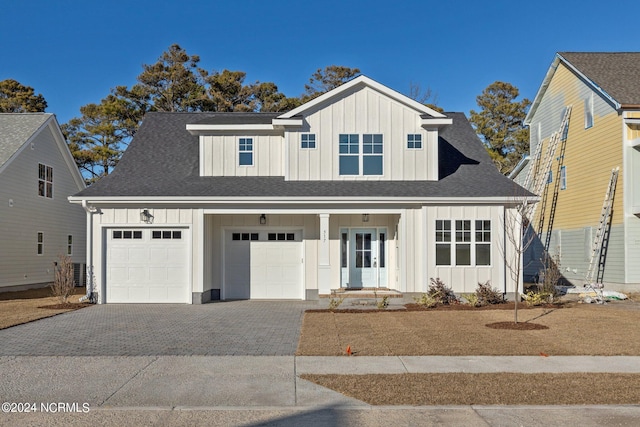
(238, 118)
(617, 73)
(162, 160)
(16, 129)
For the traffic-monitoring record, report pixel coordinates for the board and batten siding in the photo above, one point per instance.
(24, 213)
(219, 155)
(632, 199)
(465, 279)
(364, 111)
(109, 217)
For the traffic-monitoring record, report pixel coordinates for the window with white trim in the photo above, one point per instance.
(245, 151)
(588, 111)
(355, 159)
(414, 141)
(40, 249)
(45, 181)
(372, 154)
(349, 162)
(483, 242)
(308, 140)
(471, 245)
(69, 245)
(563, 177)
(443, 242)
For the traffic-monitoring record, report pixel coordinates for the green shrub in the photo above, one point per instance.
(486, 295)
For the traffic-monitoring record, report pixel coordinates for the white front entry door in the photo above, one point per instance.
(363, 258)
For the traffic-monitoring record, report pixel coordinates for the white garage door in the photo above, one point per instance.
(147, 266)
(263, 265)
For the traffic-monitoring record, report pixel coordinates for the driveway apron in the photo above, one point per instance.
(251, 328)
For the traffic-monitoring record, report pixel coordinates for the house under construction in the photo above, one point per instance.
(584, 163)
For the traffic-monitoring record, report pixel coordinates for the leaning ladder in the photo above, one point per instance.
(541, 176)
(596, 262)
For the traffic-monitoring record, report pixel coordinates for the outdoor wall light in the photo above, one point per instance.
(145, 216)
(365, 217)
(263, 219)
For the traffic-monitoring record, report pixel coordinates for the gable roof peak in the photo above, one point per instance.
(358, 81)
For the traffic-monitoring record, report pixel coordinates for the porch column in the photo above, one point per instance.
(324, 264)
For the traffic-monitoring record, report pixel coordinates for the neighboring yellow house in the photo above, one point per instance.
(603, 90)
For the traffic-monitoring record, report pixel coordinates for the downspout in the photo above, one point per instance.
(90, 210)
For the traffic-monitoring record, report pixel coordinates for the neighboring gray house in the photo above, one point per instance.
(37, 174)
(361, 187)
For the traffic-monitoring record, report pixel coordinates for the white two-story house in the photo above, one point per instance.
(361, 187)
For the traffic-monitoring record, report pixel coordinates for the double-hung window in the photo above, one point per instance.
(588, 111)
(443, 242)
(45, 181)
(563, 177)
(361, 160)
(40, 249)
(372, 154)
(349, 154)
(483, 242)
(245, 151)
(463, 242)
(464, 245)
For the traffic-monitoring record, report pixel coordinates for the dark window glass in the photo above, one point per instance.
(254, 236)
(156, 234)
(127, 234)
(176, 234)
(343, 251)
(290, 236)
(281, 236)
(382, 254)
(166, 234)
(271, 236)
(137, 234)
(235, 236)
(245, 236)
(117, 234)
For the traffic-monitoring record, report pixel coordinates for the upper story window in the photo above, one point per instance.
(588, 111)
(245, 151)
(308, 140)
(372, 154)
(349, 154)
(414, 140)
(355, 160)
(563, 177)
(45, 181)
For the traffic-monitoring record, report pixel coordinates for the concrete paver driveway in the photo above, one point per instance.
(254, 328)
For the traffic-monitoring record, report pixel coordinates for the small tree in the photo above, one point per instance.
(63, 283)
(518, 237)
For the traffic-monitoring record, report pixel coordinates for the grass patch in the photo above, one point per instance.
(486, 388)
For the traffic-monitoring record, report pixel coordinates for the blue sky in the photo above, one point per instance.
(74, 52)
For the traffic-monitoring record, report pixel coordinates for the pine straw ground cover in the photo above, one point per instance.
(578, 329)
(26, 306)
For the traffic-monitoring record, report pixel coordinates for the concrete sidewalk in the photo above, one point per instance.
(267, 390)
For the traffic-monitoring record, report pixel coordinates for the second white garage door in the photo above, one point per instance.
(263, 265)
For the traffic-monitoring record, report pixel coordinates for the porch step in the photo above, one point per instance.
(363, 293)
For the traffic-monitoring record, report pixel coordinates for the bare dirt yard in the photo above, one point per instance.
(575, 329)
(26, 306)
